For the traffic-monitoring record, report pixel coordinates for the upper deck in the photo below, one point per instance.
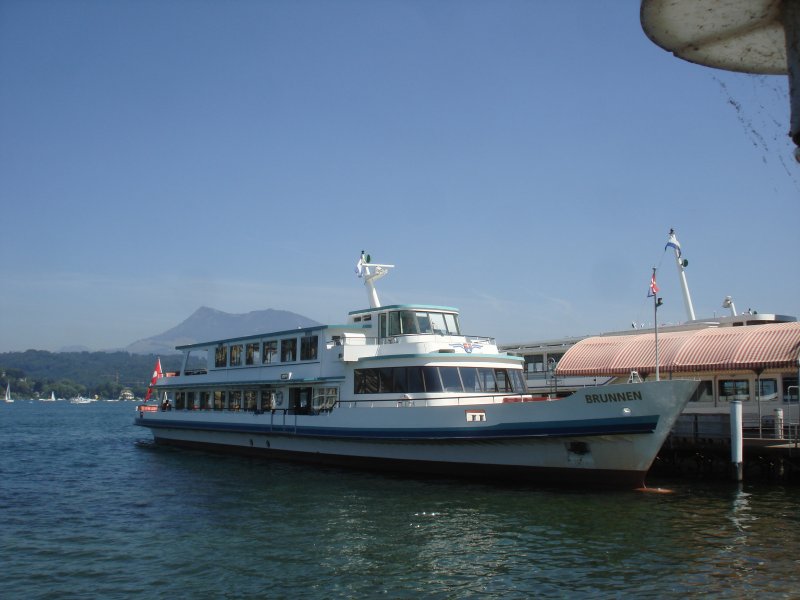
(397, 335)
(409, 334)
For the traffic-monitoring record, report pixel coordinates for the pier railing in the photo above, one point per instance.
(717, 427)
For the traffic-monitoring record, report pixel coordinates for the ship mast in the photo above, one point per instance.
(371, 272)
(681, 263)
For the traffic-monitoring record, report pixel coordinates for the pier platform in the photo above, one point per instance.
(700, 447)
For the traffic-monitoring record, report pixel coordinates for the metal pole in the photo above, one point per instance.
(758, 403)
(655, 322)
(737, 447)
(687, 298)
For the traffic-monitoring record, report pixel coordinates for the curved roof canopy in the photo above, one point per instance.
(737, 35)
(754, 348)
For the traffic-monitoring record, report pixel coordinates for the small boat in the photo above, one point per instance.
(8, 397)
(81, 400)
(52, 398)
(401, 387)
(126, 395)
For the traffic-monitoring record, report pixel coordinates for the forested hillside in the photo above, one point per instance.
(35, 373)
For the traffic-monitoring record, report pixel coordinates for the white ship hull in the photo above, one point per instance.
(607, 435)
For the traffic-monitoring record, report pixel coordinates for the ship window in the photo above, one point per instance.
(400, 380)
(205, 399)
(236, 355)
(325, 398)
(235, 400)
(423, 322)
(266, 400)
(366, 381)
(288, 350)
(487, 380)
(503, 382)
(300, 400)
(180, 400)
(308, 348)
(469, 375)
(450, 379)
(197, 362)
(221, 356)
(252, 356)
(415, 383)
(270, 351)
(394, 323)
(219, 400)
(430, 376)
(437, 323)
(518, 381)
(408, 322)
(452, 324)
(189, 400)
(383, 323)
(250, 399)
(385, 384)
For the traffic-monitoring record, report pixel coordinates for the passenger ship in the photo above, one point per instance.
(402, 388)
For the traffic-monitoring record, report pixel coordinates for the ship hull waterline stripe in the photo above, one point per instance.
(560, 476)
(616, 426)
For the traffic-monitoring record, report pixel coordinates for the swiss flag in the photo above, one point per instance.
(156, 374)
(653, 286)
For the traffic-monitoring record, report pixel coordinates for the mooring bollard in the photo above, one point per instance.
(736, 440)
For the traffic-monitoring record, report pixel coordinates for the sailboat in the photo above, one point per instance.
(8, 397)
(52, 397)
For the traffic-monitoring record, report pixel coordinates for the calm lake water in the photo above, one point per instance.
(85, 512)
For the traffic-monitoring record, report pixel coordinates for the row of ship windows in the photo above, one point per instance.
(394, 380)
(410, 322)
(262, 353)
(299, 399)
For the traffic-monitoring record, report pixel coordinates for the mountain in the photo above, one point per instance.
(208, 324)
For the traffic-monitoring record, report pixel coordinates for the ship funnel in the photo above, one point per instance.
(371, 272)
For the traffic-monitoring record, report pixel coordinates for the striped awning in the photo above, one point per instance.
(754, 347)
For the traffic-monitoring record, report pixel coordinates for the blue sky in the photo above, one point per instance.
(521, 160)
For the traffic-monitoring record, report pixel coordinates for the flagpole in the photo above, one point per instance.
(655, 318)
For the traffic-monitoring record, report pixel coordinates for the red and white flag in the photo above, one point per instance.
(156, 374)
(653, 287)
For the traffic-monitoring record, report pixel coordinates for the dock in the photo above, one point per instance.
(699, 446)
